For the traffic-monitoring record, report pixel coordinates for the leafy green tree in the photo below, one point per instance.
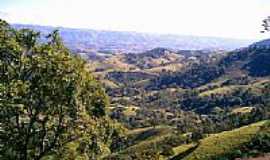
(266, 25)
(47, 97)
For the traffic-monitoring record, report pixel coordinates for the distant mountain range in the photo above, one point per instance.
(87, 40)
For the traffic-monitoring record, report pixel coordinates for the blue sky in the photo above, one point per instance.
(219, 18)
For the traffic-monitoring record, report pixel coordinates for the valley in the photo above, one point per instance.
(151, 103)
(192, 95)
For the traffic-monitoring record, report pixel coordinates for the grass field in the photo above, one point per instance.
(148, 143)
(223, 143)
(221, 91)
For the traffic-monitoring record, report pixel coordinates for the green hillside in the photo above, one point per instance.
(162, 143)
(226, 144)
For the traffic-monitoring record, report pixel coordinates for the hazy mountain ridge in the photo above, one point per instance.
(87, 40)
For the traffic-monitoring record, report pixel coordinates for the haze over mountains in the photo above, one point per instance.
(87, 40)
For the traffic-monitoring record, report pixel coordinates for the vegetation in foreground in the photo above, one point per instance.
(50, 104)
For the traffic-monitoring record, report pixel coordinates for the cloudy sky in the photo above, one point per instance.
(219, 18)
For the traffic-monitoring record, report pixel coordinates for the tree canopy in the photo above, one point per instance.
(47, 97)
(266, 25)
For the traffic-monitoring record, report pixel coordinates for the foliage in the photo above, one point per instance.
(195, 76)
(266, 24)
(48, 99)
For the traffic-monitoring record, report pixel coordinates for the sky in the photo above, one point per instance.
(240, 19)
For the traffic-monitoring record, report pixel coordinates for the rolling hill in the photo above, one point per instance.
(251, 61)
(172, 146)
(162, 103)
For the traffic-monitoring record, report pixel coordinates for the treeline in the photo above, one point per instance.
(195, 76)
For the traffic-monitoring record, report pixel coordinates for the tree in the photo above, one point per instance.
(266, 25)
(47, 96)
